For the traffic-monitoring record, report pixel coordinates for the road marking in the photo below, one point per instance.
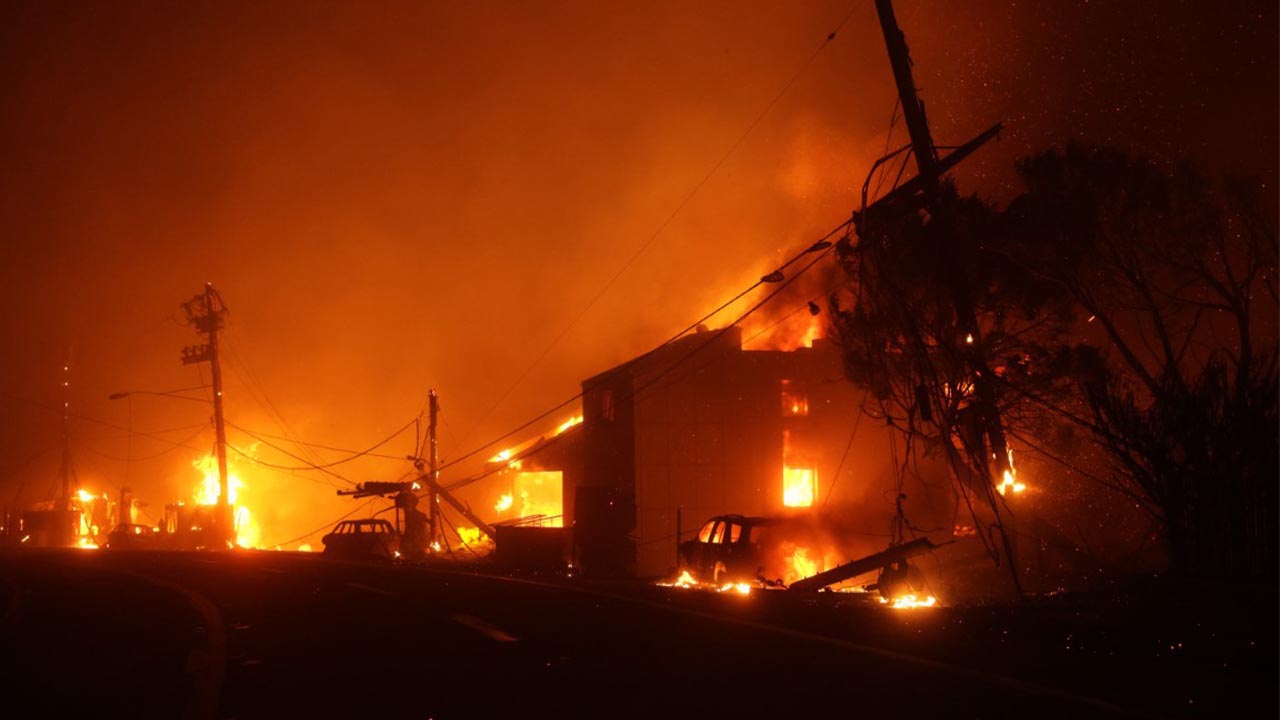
(372, 589)
(488, 629)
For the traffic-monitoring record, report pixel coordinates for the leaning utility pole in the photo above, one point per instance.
(925, 186)
(923, 189)
(205, 311)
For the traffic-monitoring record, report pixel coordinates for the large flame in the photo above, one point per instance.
(798, 486)
(247, 532)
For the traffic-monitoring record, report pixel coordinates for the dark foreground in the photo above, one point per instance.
(247, 634)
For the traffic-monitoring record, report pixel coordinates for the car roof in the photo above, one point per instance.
(747, 520)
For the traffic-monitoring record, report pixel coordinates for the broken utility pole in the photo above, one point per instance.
(205, 311)
(925, 187)
(922, 191)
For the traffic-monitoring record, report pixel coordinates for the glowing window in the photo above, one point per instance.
(704, 535)
(799, 486)
(717, 535)
(794, 404)
(540, 494)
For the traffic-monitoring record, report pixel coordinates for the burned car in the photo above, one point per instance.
(730, 548)
(366, 539)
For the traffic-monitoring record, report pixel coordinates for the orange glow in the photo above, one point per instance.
(1010, 482)
(571, 422)
(799, 566)
(910, 602)
(247, 532)
(304, 547)
(794, 404)
(533, 494)
(471, 535)
(797, 331)
(684, 581)
(799, 485)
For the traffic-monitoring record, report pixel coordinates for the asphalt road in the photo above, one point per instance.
(253, 634)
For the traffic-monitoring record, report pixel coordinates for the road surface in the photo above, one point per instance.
(262, 634)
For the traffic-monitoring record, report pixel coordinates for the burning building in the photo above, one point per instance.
(700, 427)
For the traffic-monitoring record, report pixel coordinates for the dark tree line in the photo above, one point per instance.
(1125, 304)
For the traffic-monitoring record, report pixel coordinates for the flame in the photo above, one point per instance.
(539, 493)
(799, 566)
(502, 456)
(740, 588)
(304, 547)
(790, 333)
(471, 535)
(909, 602)
(686, 580)
(575, 420)
(798, 486)
(247, 532)
(86, 531)
(1010, 480)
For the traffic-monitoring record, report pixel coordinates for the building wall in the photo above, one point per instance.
(706, 438)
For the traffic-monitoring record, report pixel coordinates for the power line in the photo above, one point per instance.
(674, 213)
(326, 525)
(268, 465)
(286, 452)
(848, 446)
(680, 361)
(355, 453)
(349, 451)
(821, 244)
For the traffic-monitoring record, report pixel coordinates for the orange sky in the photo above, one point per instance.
(400, 196)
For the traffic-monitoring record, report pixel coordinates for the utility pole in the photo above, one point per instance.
(895, 41)
(929, 173)
(66, 470)
(67, 524)
(205, 311)
(924, 187)
(433, 416)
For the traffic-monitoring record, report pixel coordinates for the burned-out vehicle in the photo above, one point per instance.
(366, 539)
(737, 548)
(730, 548)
